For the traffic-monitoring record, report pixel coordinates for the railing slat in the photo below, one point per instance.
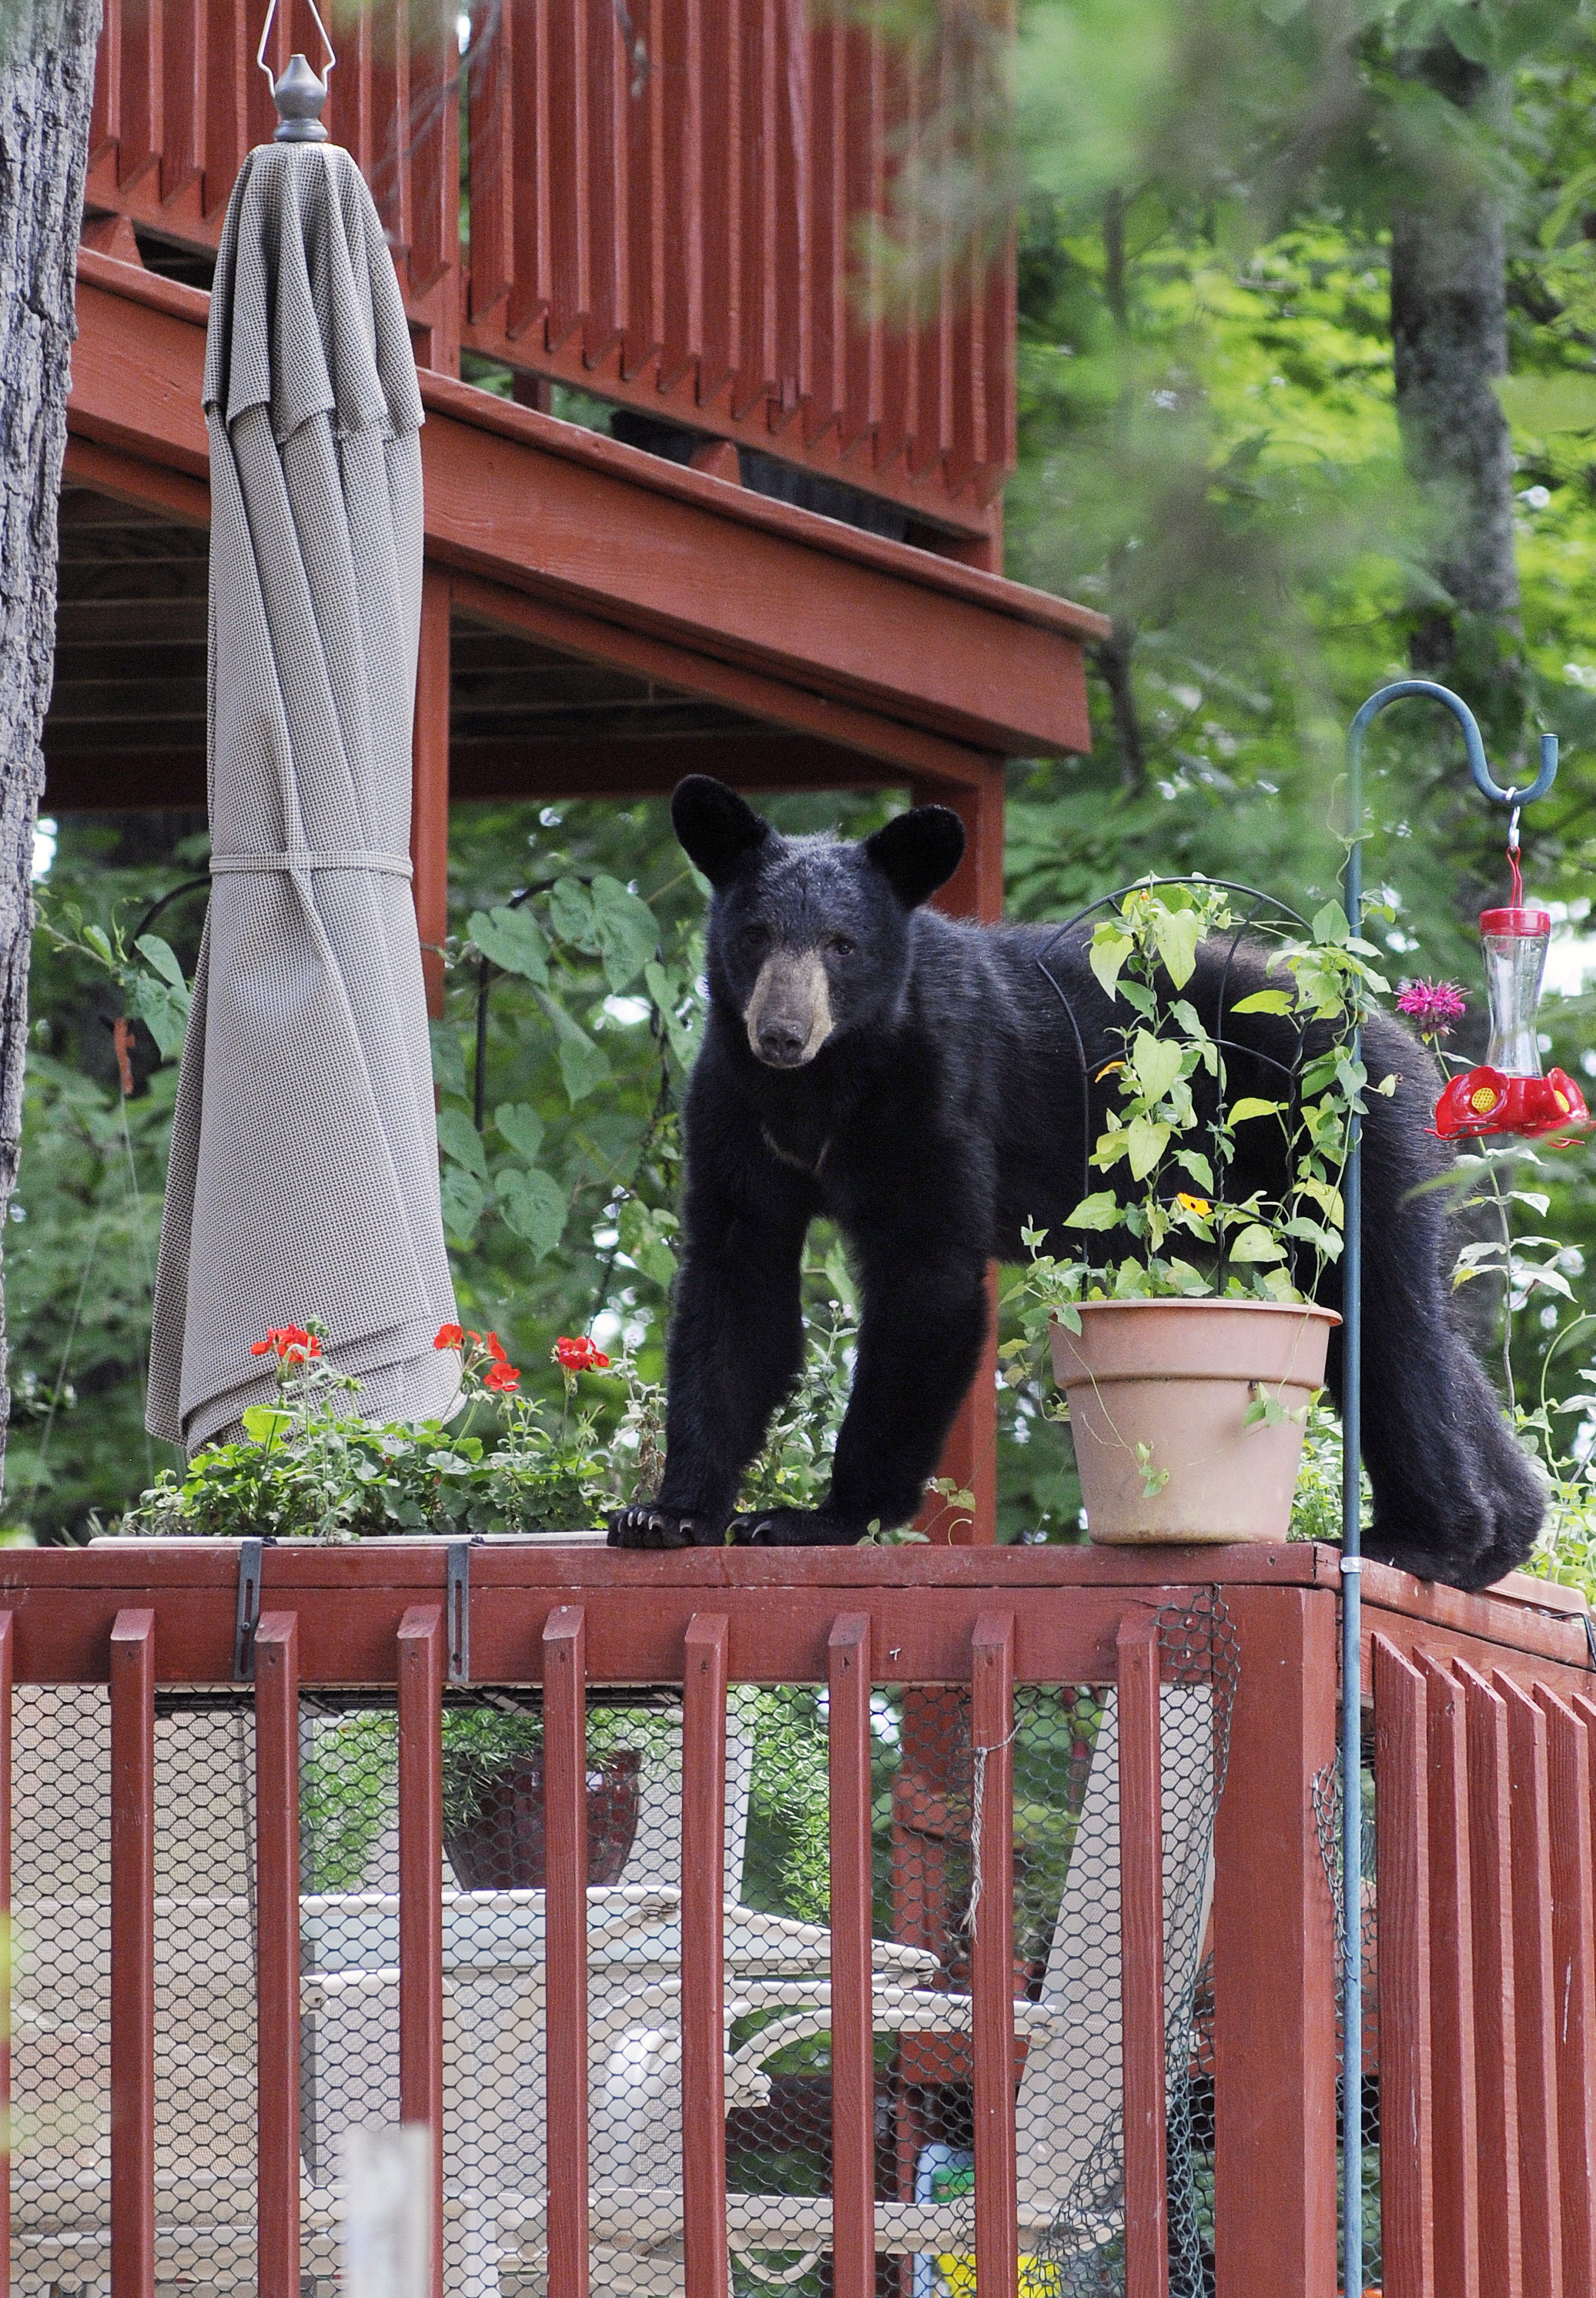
(1454, 2116)
(1495, 2025)
(421, 1893)
(1407, 2180)
(1574, 1979)
(1534, 2002)
(1141, 1958)
(704, 1956)
(276, 1955)
(992, 1946)
(8, 1657)
(565, 1790)
(133, 1956)
(853, 2052)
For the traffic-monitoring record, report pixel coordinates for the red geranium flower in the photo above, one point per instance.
(495, 1347)
(289, 1343)
(501, 1379)
(579, 1356)
(449, 1336)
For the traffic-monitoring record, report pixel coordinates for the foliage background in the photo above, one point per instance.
(1211, 450)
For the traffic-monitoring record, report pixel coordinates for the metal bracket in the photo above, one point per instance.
(1589, 1636)
(248, 1616)
(456, 1613)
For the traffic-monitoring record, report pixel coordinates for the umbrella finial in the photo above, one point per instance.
(298, 94)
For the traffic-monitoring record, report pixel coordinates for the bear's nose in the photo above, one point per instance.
(781, 1043)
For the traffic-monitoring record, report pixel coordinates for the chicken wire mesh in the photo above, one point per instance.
(1066, 1979)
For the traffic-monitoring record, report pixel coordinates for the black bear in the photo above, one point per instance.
(918, 1079)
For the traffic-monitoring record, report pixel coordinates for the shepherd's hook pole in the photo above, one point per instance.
(1351, 1529)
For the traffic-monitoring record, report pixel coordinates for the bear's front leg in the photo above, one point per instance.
(736, 1343)
(920, 1341)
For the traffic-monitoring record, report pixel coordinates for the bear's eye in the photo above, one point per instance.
(840, 946)
(754, 936)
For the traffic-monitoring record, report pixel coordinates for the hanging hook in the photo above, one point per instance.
(298, 94)
(1484, 781)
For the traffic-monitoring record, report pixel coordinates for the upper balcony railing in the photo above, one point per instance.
(663, 202)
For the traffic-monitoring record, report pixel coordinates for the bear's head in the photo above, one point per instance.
(808, 936)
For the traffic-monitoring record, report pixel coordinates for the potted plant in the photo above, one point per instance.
(1189, 1355)
(493, 1805)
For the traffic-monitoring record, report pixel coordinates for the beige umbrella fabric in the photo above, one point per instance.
(303, 1180)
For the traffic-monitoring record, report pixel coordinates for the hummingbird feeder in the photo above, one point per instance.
(1507, 1092)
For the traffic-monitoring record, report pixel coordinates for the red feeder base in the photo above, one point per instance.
(1485, 1101)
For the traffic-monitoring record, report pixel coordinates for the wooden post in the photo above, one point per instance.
(429, 798)
(1453, 2081)
(1275, 2004)
(975, 890)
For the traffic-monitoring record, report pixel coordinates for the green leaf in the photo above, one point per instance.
(1155, 1064)
(1100, 1211)
(1176, 934)
(1264, 1001)
(533, 1204)
(263, 1424)
(1110, 946)
(1148, 1143)
(1255, 1243)
(449, 1058)
(463, 1198)
(668, 992)
(646, 1240)
(582, 1065)
(627, 931)
(163, 958)
(163, 1010)
(1249, 1105)
(520, 1124)
(512, 940)
(1329, 923)
(571, 913)
(1193, 1161)
(458, 1138)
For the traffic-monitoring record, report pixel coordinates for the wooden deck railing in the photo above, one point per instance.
(666, 203)
(1486, 1736)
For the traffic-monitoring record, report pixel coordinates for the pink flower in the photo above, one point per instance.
(1433, 1005)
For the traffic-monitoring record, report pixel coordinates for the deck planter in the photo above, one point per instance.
(1159, 1392)
(501, 1848)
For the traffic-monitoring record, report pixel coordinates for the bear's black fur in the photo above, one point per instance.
(917, 1079)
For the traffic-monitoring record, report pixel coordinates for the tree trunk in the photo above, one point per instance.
(1449, 341)
(46, 89)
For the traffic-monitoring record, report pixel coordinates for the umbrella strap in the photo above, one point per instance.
(386, 865)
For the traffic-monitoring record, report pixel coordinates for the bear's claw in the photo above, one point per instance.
(792, 1528)
(646, 1525)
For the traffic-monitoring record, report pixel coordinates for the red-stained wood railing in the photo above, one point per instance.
(1486, 1737)
(668, 206)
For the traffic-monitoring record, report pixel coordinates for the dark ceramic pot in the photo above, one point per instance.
(502, 1848)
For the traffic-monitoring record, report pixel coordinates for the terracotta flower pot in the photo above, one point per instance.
(502, 1848)
(1176, 1377)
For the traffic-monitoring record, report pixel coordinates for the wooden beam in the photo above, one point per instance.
(564, 515)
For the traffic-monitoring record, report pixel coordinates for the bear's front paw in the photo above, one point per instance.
(793, 1528)
(646, 1525)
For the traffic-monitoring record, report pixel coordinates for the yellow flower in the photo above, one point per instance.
(1189, 1204)
(1107, 1070)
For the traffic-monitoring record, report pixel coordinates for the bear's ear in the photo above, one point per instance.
(715, 826)
(918, 851)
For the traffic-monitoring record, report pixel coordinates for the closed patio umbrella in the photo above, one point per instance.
(303, 1180)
